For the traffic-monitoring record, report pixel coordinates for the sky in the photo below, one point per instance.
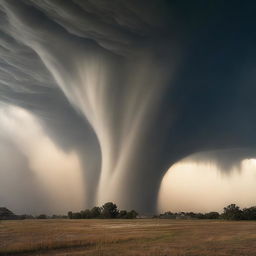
(144, 103)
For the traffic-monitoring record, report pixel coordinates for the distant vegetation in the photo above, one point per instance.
(110, 211)
(231, 212)
(107, 211)
(188, 215)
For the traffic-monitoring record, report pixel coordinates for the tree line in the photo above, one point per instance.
(187, 215)
(110, 211)
(107, 211)
(233, 212)
(230, 212)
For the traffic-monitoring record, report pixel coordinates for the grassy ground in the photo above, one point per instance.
(127, 237)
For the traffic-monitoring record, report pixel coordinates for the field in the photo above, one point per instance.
(148, 237)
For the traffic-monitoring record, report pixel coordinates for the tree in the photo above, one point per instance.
(95, 212)
(70, 215)
(249, 213)
(76, 215)
(109, 210)
(42, 216)
(232, 212)
(122, 214)
(131, 215)
(200, 216)
(86, 214)
(212, 215)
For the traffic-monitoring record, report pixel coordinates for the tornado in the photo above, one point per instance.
(136, 86)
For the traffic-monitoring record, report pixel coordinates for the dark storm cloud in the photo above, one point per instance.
(226, 160)
(26, 82)
(133, 86)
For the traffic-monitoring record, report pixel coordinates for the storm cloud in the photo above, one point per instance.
(130, 87)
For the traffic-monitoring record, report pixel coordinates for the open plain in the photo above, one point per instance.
(140, 237)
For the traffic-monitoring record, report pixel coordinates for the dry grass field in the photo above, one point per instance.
(127, 237)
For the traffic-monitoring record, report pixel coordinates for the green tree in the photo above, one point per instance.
(200, 216)
(212, 215)
(42, 216)
(249, 213)
(232, 212)
(95, 212)
(109, 210)
(122, 214)
(131, 215)
(86, 214)
(76, 215)
(70, 215)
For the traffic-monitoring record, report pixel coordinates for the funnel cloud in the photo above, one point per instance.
(113, 93)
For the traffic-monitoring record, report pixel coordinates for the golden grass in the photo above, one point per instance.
(127, 237)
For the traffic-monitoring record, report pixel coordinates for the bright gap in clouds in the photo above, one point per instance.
(201, 187)
(57, 175)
